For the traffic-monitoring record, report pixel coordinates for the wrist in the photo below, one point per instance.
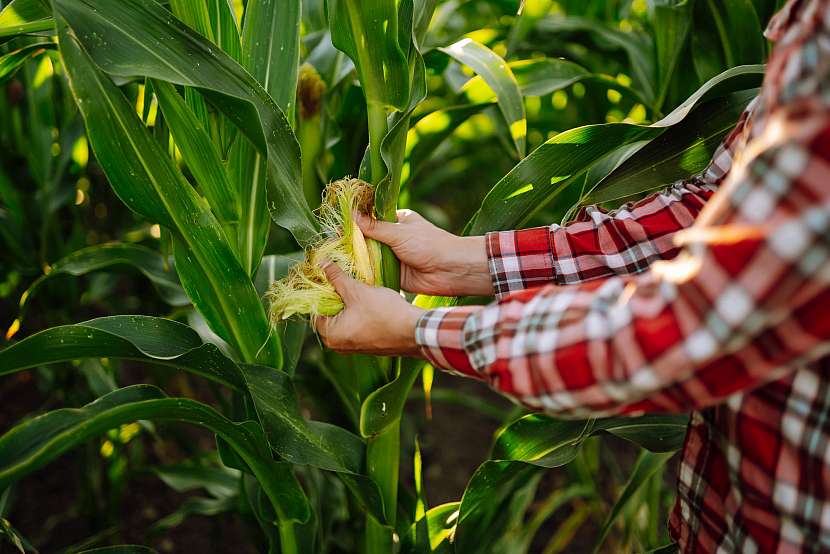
(472, 267)
(407, 343)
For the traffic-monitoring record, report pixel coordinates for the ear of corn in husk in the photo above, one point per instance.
(305, 290)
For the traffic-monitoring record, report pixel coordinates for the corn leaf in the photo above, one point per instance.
(171, 344)
(12, 61)
(497, 74)
(200, 154)
(367, 31)
(116, 256)
(139, 37)
(432, 533)
(214, 20)
(648, 464)
(142, 338)
(638, 48)
(37, 441)
(22, 17)
(739, 30)
(270, 52)
(671, 22)
(539, 441)
(308, 442)
(683, 150)
(145, 178)
(557, 163)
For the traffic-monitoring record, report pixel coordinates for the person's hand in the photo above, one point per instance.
(376, 320)
(433, 261)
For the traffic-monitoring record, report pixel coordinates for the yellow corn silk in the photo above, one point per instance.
(305, 291)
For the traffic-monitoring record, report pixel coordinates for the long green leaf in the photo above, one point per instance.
(171, 344)
(37, 441)
(139, 37)
(368, 32)
(115, 255)
(637, 46)
(270, 52)
(202, 156)
(671, 21)
(149, 339)
(648, 464)
(12, 61)
(308, 442)
(556, 163)
(683, 150)
(432, 533)
(145, 178)
(539, 441)
(24, 16)
(497, 74)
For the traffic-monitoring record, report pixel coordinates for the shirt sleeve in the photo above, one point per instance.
(601, 243)
(743, 303)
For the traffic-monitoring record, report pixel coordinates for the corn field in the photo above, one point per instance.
(164, 162)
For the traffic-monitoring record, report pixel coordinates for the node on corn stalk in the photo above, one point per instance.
(306, 291)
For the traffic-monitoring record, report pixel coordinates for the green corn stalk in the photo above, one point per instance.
(378, 36)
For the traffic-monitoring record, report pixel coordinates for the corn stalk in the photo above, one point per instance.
(381, 37)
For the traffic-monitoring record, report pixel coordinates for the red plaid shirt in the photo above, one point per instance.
(711, 296)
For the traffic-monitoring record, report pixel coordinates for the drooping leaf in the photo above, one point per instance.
(115, 255)
(195, 506)
(308, 442)
(37, 441)
(220, 482)
(498, 75)
(150, 339)
(139, 37)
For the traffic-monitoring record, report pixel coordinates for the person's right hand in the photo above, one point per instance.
(433, 261)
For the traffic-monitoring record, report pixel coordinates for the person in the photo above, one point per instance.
(711, 296)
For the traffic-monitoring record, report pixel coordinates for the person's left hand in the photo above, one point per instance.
(376, 320)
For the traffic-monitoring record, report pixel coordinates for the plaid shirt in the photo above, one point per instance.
(710, 296)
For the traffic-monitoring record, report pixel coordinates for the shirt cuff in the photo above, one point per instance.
(440, 335)
(520, 260)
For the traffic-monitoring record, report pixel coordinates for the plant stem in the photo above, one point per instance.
(288, 539)
(378, 127)
(382, 462)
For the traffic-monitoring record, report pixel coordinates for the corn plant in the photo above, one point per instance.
(220, 122)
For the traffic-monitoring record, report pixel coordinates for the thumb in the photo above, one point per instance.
(383, 231)
(342, 282)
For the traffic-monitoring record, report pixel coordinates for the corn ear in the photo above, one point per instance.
(305, 290)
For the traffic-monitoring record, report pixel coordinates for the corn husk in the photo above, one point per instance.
(305, 291)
